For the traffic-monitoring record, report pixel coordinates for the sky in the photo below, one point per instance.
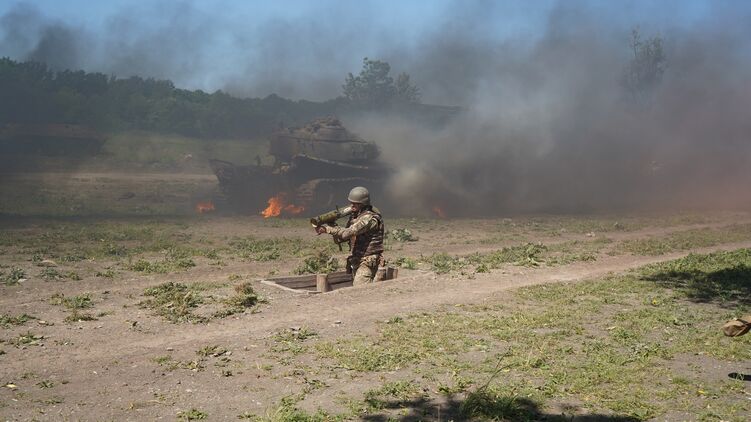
(297, 49)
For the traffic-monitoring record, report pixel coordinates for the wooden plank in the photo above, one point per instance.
(279, 286)
(322, 284)
(339, 277)
(296, 282)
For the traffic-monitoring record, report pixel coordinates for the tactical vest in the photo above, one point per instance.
(371, 242)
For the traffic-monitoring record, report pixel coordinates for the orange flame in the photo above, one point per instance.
(439, 212)
(278, 204)
(204, 207)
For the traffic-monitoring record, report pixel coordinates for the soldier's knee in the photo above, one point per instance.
(363, 276)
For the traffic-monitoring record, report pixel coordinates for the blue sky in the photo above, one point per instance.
(300, 49)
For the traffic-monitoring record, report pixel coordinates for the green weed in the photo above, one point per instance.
(173, 301)
(406, 262)
(321, 262)
(291, 340)
(192, 415)
(686, 240)
(401, 235)
(13, 277)
(7, 320)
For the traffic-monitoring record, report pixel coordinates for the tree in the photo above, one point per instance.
(405, 91)
(374, 88)
(644, 72)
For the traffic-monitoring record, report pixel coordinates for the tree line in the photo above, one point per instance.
(33, 93)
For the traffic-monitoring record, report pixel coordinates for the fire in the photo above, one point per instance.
(204, 207)
(439, 212)
(278, 204)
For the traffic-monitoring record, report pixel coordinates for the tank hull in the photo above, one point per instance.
(315, 166)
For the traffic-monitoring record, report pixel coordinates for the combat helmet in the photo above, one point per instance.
(359, 195)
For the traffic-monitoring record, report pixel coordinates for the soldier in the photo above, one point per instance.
(364, 230)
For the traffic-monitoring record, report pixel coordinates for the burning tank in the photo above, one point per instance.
(315, 166)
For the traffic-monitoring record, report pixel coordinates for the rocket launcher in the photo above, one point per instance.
(329, 219)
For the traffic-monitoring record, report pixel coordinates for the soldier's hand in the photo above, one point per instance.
(320, 230)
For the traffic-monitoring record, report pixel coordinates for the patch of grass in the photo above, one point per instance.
(608, 343)
(406, 262)
(77, 316)
(45, 384)
(192, 415)
(51, 274)
(211, 351)
(686, 240)
(173, 301)
(287, 411)
(724, 277)
(265, 249)
(7, 320)
(321, 262)
(494, 403)
(443, 263)
(175, 260)
(108, 273)
(399, 391)
(171, 364)
(291, 340)
(27, 339)
(401, 235)
(12, 277)
(78, 302)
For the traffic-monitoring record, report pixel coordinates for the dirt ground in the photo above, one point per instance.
(112, 367)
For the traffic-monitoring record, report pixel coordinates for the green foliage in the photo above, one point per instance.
(721, 276)
(686, 240)
(175, 260)
(321, 262)
(401, 235)
(51, 274)
(213, 351)
(245, 296)
(192, 415)
(265, 249)
(406, 262)
(291, 340)
(39, 94)
(495, 404)
(443, 263)
(287, 411)
(173, 301)
(374, 88)
(27, 339)
(82, 301)
(12, 278)
(529, 255)
(7, 320)
(399, 391)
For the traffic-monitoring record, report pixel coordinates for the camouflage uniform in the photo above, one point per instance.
(365, 233)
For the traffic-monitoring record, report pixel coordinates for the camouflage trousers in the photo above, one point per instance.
(363, 269)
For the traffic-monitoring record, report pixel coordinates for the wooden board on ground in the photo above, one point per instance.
(321, 283)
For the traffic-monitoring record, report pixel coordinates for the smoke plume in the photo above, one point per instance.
(548, 124)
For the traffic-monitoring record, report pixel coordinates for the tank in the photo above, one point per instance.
(50, 139)
(314, 168)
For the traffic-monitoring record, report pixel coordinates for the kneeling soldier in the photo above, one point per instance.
(364, 230)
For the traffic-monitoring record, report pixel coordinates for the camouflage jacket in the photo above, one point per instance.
(365, 233)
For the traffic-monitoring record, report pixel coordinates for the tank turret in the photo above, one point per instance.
(313, 165)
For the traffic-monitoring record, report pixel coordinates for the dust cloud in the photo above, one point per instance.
(548, 123)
